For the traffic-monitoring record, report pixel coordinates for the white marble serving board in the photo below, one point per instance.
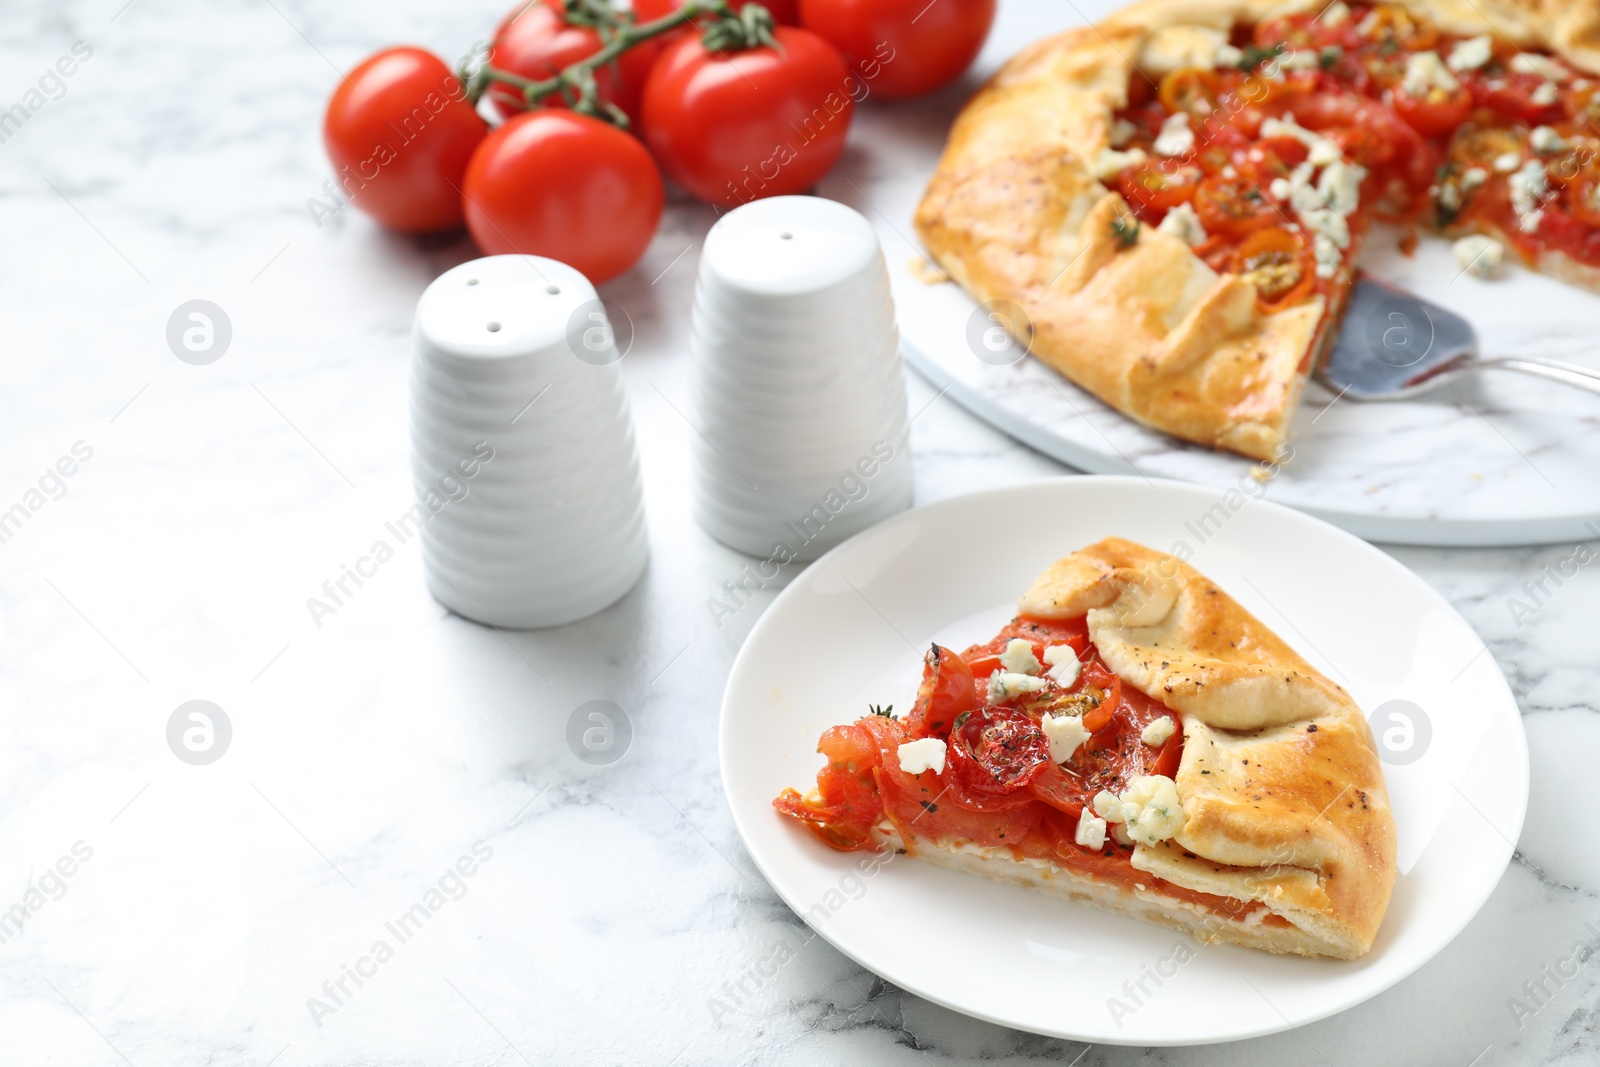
(1503, 460)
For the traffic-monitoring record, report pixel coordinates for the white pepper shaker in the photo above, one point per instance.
(523, 454)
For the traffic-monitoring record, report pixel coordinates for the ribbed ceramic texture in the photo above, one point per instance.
(551, 527)
(799, 393)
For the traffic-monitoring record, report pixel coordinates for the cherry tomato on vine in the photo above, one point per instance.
(783, 12)
(536, 40)
(555, 183)
(399, 132)
(731, 127)
(902, 48)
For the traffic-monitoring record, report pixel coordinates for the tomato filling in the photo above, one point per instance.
(1467, 135)
(999, 786)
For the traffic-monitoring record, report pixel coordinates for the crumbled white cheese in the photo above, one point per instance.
(1122, 131)
(1544, 66)
(1156, 734)
(1478, 255)
(923, 754)
(1120, 832)
(1545, 95)
(1230, 172)
(1149, 807)
(1506, 162)
(1529, 186)
(1227, 56)
(1340, 186)
(1473, 177)
(1006, 685)
(1184, 224)
(1448, 197)
(1322, 206)
(1368, 24)
(1472, 53)
(1301, 59)
(1176, 137)
(1019, 657)
(1108, 806)
(1063, 662)
(1546, 141)
(1108, 162)
(1336, 13)
(1091, 831)
(1425, 72)
(1065, 733)
(1330, 237)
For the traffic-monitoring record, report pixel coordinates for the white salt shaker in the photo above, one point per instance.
(798, 386)
(523, 453)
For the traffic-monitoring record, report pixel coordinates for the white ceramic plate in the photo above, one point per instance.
(851, 629)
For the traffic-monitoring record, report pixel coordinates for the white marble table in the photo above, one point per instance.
(606, 906)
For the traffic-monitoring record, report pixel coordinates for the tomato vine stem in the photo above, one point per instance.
(750, 27)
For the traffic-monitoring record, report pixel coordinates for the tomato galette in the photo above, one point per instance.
(1175, 198)
(1136, 740)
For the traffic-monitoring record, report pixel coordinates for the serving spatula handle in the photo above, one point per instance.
(1582, 377)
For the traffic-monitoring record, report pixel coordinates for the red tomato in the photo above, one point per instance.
(997, 751)
(1279, 263)
(1233, 208)
(849, 747)
(1171, 754)
(1193, 90)
(1152, 189)
(555, 183)
(902, 48)
(784, 12)
(536, 41)
(1437, 113)
(1108, 683)
(947, 690)
(1512, 94)
(731, 127)
(399, 132)
(1564, 232)
(1583, 200)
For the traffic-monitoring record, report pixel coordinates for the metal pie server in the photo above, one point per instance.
(1395, 346)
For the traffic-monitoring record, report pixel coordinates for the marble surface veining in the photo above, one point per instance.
(389, 754)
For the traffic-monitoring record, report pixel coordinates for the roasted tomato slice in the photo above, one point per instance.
(1582, 199)
(947, 690)
(847, 805)
(1192, 90)
(1110, 688)
(849, 747)
(1233, 207)
(1480, 146)
(1171, 753)
(1437, 112)
(996, 751)
(1272, 157)
(1152, 190)
(1060, 789)
(1516, 95)
(1583, 104)
(1392, 24)
(1278, 262)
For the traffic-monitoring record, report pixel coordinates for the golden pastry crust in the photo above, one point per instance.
(1282, 790)
(1014, 213)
